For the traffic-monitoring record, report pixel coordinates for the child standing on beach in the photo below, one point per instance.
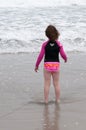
(50, 51)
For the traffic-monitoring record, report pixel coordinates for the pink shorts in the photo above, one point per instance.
(52, 66)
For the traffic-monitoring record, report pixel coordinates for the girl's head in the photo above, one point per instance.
(52, 33)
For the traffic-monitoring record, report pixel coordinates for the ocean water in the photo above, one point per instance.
(22, 29)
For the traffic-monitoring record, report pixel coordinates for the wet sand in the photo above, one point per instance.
(21, 94)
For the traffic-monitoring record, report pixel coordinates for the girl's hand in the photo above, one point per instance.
(65, 60)
(36, 69)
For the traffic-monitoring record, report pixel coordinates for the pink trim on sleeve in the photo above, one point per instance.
(62, 52)
(41, 54)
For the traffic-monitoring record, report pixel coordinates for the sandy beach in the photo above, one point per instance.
(21, 94)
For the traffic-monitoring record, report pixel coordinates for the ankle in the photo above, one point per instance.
(58, 101)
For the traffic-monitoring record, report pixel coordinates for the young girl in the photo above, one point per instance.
(50, 51)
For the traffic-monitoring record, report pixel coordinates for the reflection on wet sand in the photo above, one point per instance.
(51, 117)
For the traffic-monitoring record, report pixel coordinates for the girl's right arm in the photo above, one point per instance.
(62, 52)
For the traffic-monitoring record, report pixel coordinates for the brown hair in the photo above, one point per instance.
(52, 33)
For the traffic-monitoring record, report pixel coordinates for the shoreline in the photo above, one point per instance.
(21, 94)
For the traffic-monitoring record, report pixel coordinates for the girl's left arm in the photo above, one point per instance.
(40, 57)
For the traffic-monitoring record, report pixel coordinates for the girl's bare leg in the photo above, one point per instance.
(55, 76)
(47, 81)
